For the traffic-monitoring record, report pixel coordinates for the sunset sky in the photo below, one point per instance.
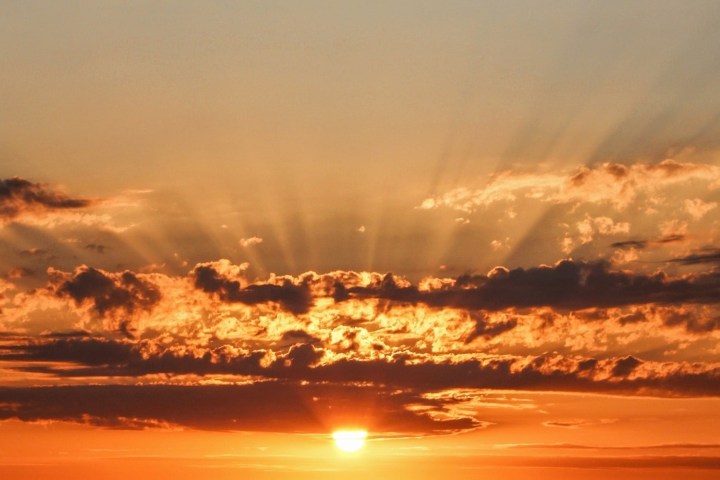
(486, 233)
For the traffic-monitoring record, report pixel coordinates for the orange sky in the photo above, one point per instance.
(485, 232)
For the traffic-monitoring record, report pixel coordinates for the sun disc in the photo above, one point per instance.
(349, 440)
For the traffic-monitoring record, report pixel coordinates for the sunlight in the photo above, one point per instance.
(349, 440)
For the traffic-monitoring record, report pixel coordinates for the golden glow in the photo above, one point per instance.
(349, 440)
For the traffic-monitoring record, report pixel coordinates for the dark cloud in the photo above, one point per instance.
(567, 285)
(298, 336)
(511, 374)
(107, 292)
(671, 238)
(485, 329)
(694, 322)
(630, 318)
(711, 255)
(19, 196)
(74, 347)
(304, 355)
(625, 366)
(587, 364)
(293, 298)
(94, 357)
(564, 424)
(265, 406)
(628, 244)
(642, 244)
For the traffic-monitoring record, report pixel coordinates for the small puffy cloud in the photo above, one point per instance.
(249, 242)
(589, 227)
(500, 244)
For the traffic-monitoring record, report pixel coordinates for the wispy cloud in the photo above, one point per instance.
(20, 198)
(608, 183)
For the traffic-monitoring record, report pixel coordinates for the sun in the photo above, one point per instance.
(349, 440)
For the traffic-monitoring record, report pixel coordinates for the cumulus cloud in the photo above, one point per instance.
(249, 242)
(374, 314)
(106, 293)
(294, 297)
(589, 227)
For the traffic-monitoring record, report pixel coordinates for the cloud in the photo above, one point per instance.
(566, 285)
(484, 328)
(292, 297)
(625, 366)
(709, 255)
(249, 242)
(589, 227)
(500, 244)
(608, 183)
(78, 357)
(698, 208)
(571, 306)
(264, 406)
(21, 198)
(106, 293)
(631, 244)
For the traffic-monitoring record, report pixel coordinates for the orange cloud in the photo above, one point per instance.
(608, 183)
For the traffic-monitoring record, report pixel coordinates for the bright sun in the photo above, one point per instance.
(350, 440)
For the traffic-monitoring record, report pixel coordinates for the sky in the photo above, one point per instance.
(485, 233)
